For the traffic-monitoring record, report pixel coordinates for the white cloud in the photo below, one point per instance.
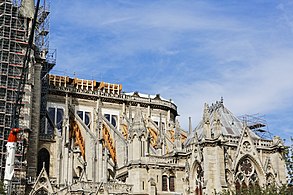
(192, 52)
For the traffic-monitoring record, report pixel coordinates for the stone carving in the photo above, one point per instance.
(152, 181)
(246, 146)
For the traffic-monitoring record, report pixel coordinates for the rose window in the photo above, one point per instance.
(246, 167)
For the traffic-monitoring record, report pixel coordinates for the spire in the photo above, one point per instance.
(216, 124)
(138, 126)
(206, 120)
(206, 113)
(190, 125)
(27, 8)
(177, 136)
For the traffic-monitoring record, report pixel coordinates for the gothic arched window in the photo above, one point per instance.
(165, 183)
(246, 175)
(198, 180)
(56, 115)
(43, 158)
(172, 183)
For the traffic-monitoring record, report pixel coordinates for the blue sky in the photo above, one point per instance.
(190, 51)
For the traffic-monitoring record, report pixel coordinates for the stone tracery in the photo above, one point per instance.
(246, 174)
(197, 179)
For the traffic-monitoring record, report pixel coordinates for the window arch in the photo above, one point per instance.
(198, 180)
(246, 175)
(43, 158)
(41, 191)
(172, 183)
(164, 183)
(56, 114)
(168, 181)
(78, 171)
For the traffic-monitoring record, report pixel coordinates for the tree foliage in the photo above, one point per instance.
(269, 190)
(1, 188)
(289, 162)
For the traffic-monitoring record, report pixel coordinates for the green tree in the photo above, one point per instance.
(1, 188)
(269, 190)
(289, 162)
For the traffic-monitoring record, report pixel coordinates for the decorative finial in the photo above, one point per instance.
(190, 126)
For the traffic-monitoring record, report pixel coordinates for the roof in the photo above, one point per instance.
(218, 114)
(157, 96)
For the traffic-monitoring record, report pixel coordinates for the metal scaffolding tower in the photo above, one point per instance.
(14, 35)
(257, 124)
(13, 40)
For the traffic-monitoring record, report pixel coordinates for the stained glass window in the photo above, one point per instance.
(164, 183)
(85, 117)
(56, 116)
(112, 119)
(172, 183)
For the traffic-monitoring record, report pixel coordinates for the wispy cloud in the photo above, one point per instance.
(190, 51)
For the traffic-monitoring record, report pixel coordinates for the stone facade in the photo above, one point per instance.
(100, 140)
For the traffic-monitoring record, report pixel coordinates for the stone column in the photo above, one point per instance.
(123, 108)
(130, 113)
(168, 116)
(100, 161)
(65, 144)
(35, 123)
(105, 166)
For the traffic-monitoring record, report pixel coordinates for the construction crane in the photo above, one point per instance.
(12, 138)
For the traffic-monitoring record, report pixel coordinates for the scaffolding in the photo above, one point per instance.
(14, 35)
(42, 42)
(257, 124)
(13, 40)
(83, 84)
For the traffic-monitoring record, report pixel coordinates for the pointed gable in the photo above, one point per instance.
(42, 183)
(246, 149)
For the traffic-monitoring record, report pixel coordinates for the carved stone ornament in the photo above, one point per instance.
(246, 146)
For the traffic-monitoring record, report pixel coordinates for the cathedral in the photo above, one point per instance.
(90, 137)
(98, 139)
